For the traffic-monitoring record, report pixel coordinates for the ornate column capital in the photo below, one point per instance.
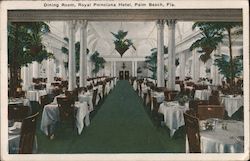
(171, 22)
(160, 24)
(83, 23)
(72, 25)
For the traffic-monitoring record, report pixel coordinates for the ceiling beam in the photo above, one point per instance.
(127, 15)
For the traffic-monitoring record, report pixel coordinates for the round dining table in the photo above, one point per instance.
(232, 103)
(173, 115)
(226, 136)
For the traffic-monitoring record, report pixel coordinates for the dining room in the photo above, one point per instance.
(125, 84)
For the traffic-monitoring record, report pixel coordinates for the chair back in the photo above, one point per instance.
(103, 88)
(94, 96)
(28, 131)
(170, 95)
(210, 111)
(155, 105)
(193, 132)
(214, 100)
(45, 99)
(66, 107)
(149, 97)
(17, 112)
(193, 104)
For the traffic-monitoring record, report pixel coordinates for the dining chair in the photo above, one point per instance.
(170, 95)
(94, 97)
(17, 112)
(28, 131)
(103, 88)
(66, 109)
(158, 117)
(193, 132)
(193, 104)
(149, 98)
(210, 111)
(214, 100)
(144, 98)
(45, 99)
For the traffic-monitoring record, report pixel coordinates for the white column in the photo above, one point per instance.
(214, 69)
(182, 65)
(35, 65)
(30, 69)
(160, 53)
(114, 68)
(72, 68)
(171, 54)
(62, 71)
(195, 65)
(50, 71)
(111, 69)
(26, 82)
(83, 53)
(135, 69)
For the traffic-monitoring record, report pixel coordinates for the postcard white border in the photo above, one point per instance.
(179, 4)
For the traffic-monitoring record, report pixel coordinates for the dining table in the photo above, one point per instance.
(232, 103)
(223, 136)
(20, 103)
(87, 97)
(50, 115)
(202, 94)
(173, 115)
(34, 95)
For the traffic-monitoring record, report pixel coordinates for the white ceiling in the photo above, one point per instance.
(142, 34)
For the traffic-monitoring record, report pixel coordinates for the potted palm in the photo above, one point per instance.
(121, 43)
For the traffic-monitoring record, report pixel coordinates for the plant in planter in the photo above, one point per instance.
(223, 63)
(24, 47)
(121, 43)
(98, 61)
(183, 98)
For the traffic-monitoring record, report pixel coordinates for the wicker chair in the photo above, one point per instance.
(210, 111)
(193, 132)
(28, 131)
(66, 109)
(17, 112)
(158, 117)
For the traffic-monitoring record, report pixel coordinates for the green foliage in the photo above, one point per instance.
(98, 61)
(121, 43)
(211, 37)
(152, 61)
(212, 33)
(223, 63)
(77, 52)
(177, 62)
(25, 43)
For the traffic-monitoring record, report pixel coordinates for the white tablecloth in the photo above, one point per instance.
(35, 95)
(202, 94)
(23, 101)
(135, 85)
(232, 104)
(51, 115)
(87, 97)
(159, 97)
(100, 93)
(173, 115)
(177, 87)
(223, 141)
